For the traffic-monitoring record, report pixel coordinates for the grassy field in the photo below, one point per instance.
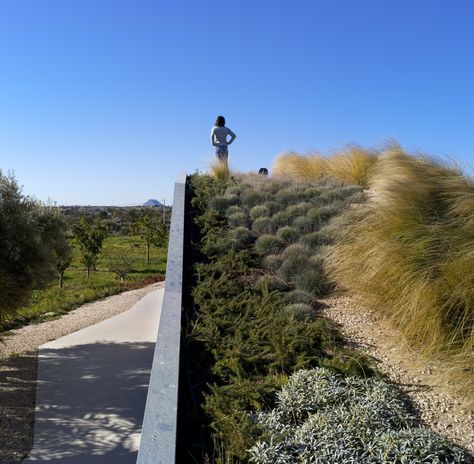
(53, 301)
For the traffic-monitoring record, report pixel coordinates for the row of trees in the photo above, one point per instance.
(90, 236)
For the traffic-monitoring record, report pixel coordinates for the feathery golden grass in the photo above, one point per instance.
(409, 253)
(352, 165)
(291, 164)
(219, 169)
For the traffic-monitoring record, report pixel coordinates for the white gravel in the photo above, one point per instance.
(30, 337)
(438, 409)
(18, 364)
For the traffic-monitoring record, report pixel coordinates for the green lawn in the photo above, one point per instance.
(53, 301)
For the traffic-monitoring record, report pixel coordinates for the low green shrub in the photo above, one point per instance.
(299, 209)
(286, 197)
(259, 211)
(321, 215)
(312, 278)
(251, 198)
(269, 245)
(262, 225)
(288, 234)
(304, 225)
(299, 296)
(272, 206)
(295, 260)
(272, 283)
(221, 203)
(238, 219)
(217, 243)
(243, 237)
(272, 262)
(280, 219)
(315, 240)
(299, 311)
(323, 417)
(234, 190)
(233, 209)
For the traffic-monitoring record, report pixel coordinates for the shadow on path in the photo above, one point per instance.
(90, 410)
(17, 406)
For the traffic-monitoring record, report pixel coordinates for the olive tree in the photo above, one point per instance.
(120, 265)
(90, 237)
(30, 236)
(151, 230)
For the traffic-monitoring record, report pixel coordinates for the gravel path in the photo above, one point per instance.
(438, 409)
(18, 364)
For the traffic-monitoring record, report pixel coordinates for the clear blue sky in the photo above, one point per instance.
(107, 101)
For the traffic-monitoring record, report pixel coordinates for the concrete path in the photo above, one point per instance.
(92, 387)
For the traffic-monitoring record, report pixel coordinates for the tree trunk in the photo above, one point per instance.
(61, 279)
(147, 252)
(88, 272)
(122, 278)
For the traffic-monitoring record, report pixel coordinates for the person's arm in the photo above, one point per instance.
(232, 136)
(212, 137)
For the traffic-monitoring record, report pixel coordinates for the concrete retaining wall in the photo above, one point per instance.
(158, 439)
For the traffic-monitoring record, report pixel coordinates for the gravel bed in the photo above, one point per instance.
(438, 409)
(18, 365)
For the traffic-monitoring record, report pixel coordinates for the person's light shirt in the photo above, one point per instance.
(219, 136)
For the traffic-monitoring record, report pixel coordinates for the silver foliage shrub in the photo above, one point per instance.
(324, 418)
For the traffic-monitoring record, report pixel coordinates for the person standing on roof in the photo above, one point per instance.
(219, 134)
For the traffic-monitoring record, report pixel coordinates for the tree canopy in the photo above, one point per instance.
(31, 234)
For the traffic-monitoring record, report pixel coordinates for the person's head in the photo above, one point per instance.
(220, 121)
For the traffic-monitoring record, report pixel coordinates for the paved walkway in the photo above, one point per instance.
(92, 387)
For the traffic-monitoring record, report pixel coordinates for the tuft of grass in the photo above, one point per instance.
(233, 209)
(259, 211)
(251, 198)
(286, 197)
(238, 219)
(272, 283)
(269, 245)
(262, 225)
(243, 237)
(318, 239)
(303, 225)
(299, 296)
(220, 170)
(295, 259)
(353, 165)
(222, 203)
(272, 262)
(280, 219)
(288, 234)
(299, 311)
(292, 164)
(312, 278)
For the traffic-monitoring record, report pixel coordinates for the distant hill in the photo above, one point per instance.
(152, 202)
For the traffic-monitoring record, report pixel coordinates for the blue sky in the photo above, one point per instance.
(107, 101)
